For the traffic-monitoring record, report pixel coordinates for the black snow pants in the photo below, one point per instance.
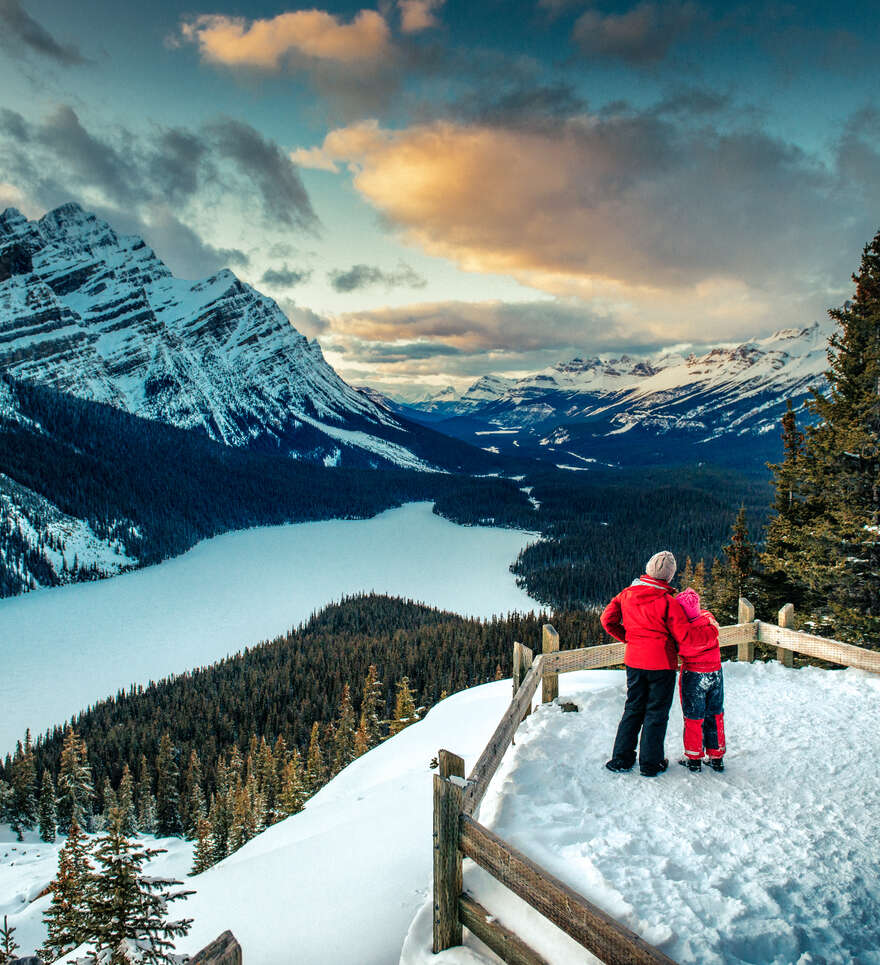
(649, 696)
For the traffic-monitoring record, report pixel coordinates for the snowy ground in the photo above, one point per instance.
(65, 648)
(775, 861)
(27, 867)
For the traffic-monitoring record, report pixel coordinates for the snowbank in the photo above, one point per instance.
(773, 862)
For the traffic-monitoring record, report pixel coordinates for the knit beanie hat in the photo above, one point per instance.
(690, 602)
(661, 566)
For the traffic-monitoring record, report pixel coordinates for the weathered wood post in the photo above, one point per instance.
(786, 619)
(549, 681)
(746, 650)
(447, 856)
(517, 665)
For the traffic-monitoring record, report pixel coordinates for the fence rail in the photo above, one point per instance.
(457, 834)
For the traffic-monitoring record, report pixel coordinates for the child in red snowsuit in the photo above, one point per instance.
(701, 686)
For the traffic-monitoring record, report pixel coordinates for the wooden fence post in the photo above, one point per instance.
(549, 681)
(786, 619)
(517, 666)
(447, 855)
(745, 651)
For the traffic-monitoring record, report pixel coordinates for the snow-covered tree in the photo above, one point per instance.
(66, 916)
(75, 789)
(146, 802)
(293, 791)
(315, 760)
(8, 944)
(167, 790)
(343, 737)
(203, 856)
(127, 917)
(125, 802)
(48, 812)
(405, 712)
(24, 811)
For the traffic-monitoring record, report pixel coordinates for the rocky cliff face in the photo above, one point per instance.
(98, 314)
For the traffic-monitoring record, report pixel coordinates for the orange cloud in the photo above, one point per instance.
(418, 15)
(269, 44)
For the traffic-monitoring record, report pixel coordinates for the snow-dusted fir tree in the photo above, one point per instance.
(405, 712)
(193, 804)
(293, 790)
(67, 914)
(167, 789)
(343, 737)
(315, 773)
(125, 802)
(369, 731)
(8, 944)
(127, 919)
(203, 855)
(146, 802)
(75, 789)
(24, 811)
(47, 809)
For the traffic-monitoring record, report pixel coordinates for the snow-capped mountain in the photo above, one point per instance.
(727, 400)
(98, 315)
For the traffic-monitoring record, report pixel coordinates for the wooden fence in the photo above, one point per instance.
(458, 835)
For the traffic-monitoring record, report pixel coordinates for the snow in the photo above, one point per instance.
(773, 862)
(27, 867)
(65, 648)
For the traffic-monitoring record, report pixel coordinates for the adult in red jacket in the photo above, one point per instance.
(648, 619)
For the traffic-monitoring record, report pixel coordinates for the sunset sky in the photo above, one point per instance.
(437, 190)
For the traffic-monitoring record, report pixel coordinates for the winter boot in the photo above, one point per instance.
(618, 764)
(716, 763)
(652, 770)
(695, 766)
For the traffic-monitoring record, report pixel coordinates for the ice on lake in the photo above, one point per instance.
(65, 648)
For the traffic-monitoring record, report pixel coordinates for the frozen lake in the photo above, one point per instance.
(65, 648)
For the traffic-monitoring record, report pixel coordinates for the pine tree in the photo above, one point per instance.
(48, 813)
(343, 738)
(404, 708)
(699, 578)
(203, 855)
(267, 779)
(372, 705)
(8, 945)
(293, 794)
(125, 801)
(194, 800)
(315, 760)
(75, 789)
(167, 790)
(109, 802)
(66, 918)
(24, 787)
(146, 803)
(832, 546)
(127, 911)
(219, 828)
(687, 574)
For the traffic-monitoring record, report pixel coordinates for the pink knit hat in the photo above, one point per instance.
(690, 602)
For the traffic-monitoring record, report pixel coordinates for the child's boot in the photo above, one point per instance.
(694, 765)
(716, 763)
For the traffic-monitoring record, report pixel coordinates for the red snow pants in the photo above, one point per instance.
(702, 704)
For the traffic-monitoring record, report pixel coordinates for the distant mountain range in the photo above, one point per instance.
(98, 315)
(721, 406)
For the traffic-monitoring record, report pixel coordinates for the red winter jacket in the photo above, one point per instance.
(648, 618)
(701, 651)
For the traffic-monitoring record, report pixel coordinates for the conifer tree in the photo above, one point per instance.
(293, 794)
(167, 790)
(219, 828)
(203, 855)
(193, 805)
(404, 708)
(75, 789)
(146, 803)
(267, 778)
(343, 738)
(109, 802)
(315, 760)
(125, 801)
(127, 911)
(8, 944)
(699, 582)
(48, 814)
(66, 918)
(687, 574)
(24, 787)
(830, 544)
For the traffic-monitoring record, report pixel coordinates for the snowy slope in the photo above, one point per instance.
(773, 862)
(604, 406)
(99, 315)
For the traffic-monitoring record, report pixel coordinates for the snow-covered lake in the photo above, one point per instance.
(65, 648)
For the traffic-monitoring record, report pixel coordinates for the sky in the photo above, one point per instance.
(442, 189)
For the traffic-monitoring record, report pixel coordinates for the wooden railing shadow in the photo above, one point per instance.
(458, 835)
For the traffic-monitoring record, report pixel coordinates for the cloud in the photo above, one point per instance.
(366, 276)
(285, 277)
(642, 35)
(418, 15)
(270, 170)
(285, 40)
(18, 28)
